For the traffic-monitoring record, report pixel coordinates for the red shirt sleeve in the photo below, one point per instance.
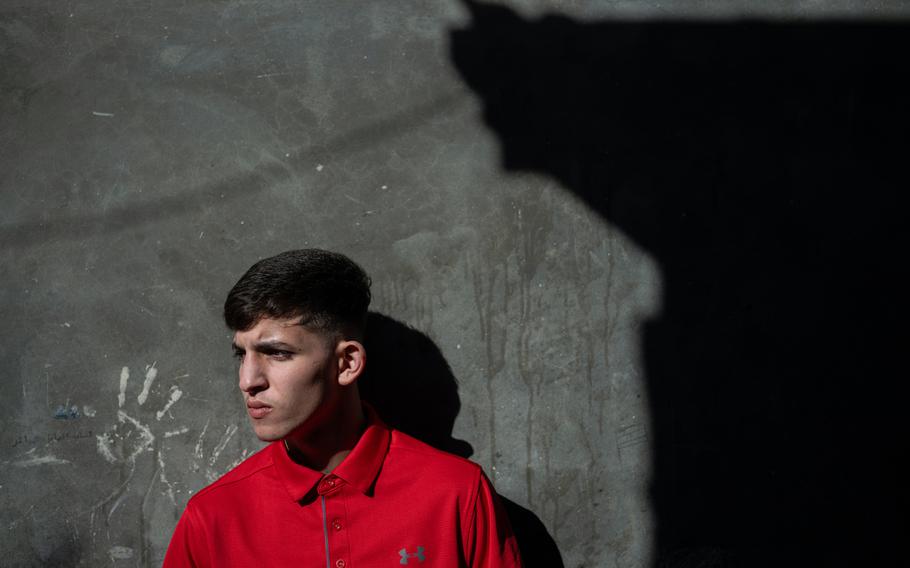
(187, 548)
(489, 542)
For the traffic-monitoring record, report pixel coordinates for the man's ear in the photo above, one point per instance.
(352, 359)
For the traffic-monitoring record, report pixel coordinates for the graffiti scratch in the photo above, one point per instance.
(150, 373)
(175, 396)
(172, 433)
(124, 378)
(40, 460)
(228, 434)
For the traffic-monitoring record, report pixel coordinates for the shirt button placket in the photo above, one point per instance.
(332, 489)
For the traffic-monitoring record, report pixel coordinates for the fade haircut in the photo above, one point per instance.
(328, 291)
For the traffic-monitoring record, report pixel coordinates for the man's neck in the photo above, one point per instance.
(325, 446)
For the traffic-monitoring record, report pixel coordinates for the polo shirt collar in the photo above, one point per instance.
(359, 468)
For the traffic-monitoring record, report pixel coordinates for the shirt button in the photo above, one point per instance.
(340, 563)
(336, 524)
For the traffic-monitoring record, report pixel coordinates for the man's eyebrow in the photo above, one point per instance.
(267, 345)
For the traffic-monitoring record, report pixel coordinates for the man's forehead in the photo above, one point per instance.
(271, 326)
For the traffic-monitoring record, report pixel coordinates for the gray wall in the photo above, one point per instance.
(150, 152)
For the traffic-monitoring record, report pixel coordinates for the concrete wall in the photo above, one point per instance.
(150, 152)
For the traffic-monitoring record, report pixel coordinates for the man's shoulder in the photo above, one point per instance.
(244, 472)
(420, 457)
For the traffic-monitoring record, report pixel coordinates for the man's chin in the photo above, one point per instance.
(268, 434)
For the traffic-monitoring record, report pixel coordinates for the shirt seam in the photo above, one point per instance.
(220, 484)
(472, 514)
(435, 452)
(197, 524)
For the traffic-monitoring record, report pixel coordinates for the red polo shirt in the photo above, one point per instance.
(393, 501)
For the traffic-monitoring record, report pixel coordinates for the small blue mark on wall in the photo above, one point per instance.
(64, 413)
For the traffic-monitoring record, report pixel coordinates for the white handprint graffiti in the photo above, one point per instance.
(144, 421)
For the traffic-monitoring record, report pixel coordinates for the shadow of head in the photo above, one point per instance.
(410, 384)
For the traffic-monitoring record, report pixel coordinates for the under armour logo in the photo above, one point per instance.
(405, 555)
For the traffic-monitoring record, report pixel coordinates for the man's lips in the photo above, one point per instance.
(257, 409)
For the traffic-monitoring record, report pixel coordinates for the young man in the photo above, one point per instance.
(336, 487)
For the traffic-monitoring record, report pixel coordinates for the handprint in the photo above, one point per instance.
(135, 432)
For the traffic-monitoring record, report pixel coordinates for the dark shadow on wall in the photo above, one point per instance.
(763, 166)
(412, 387)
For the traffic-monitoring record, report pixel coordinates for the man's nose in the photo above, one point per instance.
(252, 377)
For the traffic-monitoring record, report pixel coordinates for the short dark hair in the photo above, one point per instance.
(328, 291)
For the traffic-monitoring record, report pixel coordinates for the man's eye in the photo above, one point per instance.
(280, 355)
(238, 354)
